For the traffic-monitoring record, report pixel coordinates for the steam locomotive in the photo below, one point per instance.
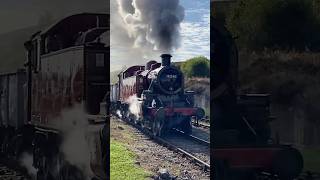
(154, 97)
(67, 67)
(243, 147)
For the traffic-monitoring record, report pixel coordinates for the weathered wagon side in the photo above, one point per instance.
(12, 99)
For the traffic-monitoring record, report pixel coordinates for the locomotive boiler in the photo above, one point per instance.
(243, 147)
(154, 97)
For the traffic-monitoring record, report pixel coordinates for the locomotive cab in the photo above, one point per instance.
(70, 59)
(68, 66)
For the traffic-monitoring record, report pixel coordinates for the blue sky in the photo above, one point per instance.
(195, 30)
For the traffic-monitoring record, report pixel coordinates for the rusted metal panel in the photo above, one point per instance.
(128, 88)
(12, 99)
(114, 95)
(58, 85)
(12, 105)
(4, 100)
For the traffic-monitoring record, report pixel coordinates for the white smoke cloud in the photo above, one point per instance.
(26, 161)
(119, 113)
(134, 106)
(134, 42)
(153, 23)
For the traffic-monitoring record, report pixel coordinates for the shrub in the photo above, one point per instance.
(281, 24)
(196, 67)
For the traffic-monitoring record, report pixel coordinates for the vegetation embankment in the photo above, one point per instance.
(122, 163)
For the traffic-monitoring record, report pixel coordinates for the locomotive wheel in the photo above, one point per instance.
(155, 128)
(158, 129)
(44, 172)
(143, 124)
(158, 123)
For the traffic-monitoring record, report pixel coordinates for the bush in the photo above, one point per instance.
(281, 24)
(196, 67)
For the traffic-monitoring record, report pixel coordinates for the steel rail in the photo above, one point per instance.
(194, 138)
(200, 124)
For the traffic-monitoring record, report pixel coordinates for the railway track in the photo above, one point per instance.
(201, 124)
(192, 137)
(188, 146)
(309, 176)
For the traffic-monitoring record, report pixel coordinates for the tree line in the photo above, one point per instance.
(275, 24)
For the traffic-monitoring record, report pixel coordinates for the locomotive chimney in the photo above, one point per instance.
(166, 59)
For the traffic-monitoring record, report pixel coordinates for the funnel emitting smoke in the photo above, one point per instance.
(153, 23)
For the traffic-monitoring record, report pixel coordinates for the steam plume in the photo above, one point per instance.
(134, 106)
(26, 161)
(75, 147)
(153, 23)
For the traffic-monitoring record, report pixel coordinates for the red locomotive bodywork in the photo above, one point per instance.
(131, 82)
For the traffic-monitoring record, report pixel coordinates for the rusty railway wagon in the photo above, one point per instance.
(154, 97)
(67, 65)
(242, 143)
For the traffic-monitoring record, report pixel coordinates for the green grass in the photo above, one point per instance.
(311, 160)
(122, 164)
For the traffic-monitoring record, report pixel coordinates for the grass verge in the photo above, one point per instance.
(122, 163)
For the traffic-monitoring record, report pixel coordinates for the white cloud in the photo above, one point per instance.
(195, 38)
